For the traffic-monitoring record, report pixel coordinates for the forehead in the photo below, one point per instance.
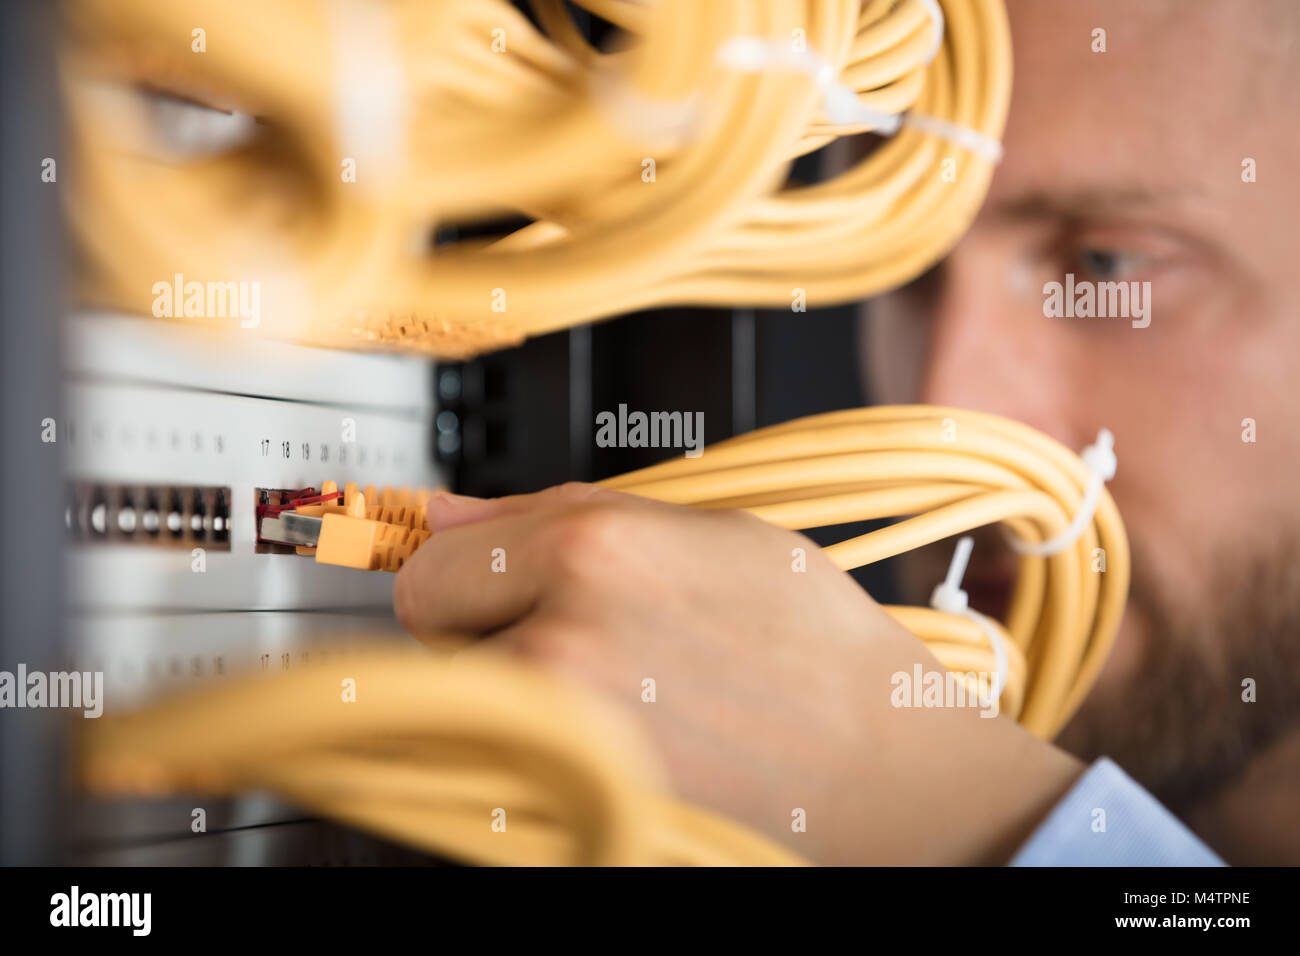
(1182, 91)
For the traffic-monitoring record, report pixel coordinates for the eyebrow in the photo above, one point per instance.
(1081, 203)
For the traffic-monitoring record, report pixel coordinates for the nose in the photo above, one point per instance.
(992, 350)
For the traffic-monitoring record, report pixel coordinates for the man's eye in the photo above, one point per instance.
(1105, 264)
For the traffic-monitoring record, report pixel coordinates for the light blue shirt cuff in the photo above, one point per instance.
(1108, 820)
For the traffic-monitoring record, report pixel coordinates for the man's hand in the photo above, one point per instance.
(771, 684)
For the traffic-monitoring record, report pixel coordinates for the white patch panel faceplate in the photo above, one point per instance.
(289, 417)
(153, 405)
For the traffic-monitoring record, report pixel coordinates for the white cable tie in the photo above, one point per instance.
(949, 598)
(840, 102)
(936, 17)
(964, 136)
(1100, 460)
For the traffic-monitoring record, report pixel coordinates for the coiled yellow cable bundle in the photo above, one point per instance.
(951, 471)
(432, 748)
(653, 173)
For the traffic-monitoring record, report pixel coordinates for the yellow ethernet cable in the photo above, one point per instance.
(442, 744)
(432, 752)
(944, 471)
(651, 172)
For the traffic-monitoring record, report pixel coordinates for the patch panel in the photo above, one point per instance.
(183, 516)
(169, 436)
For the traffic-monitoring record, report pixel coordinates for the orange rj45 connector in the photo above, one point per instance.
(346, 529)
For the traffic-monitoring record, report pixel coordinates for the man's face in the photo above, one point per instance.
(1127, 166)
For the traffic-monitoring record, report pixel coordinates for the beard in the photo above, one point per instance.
(1177, 722)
